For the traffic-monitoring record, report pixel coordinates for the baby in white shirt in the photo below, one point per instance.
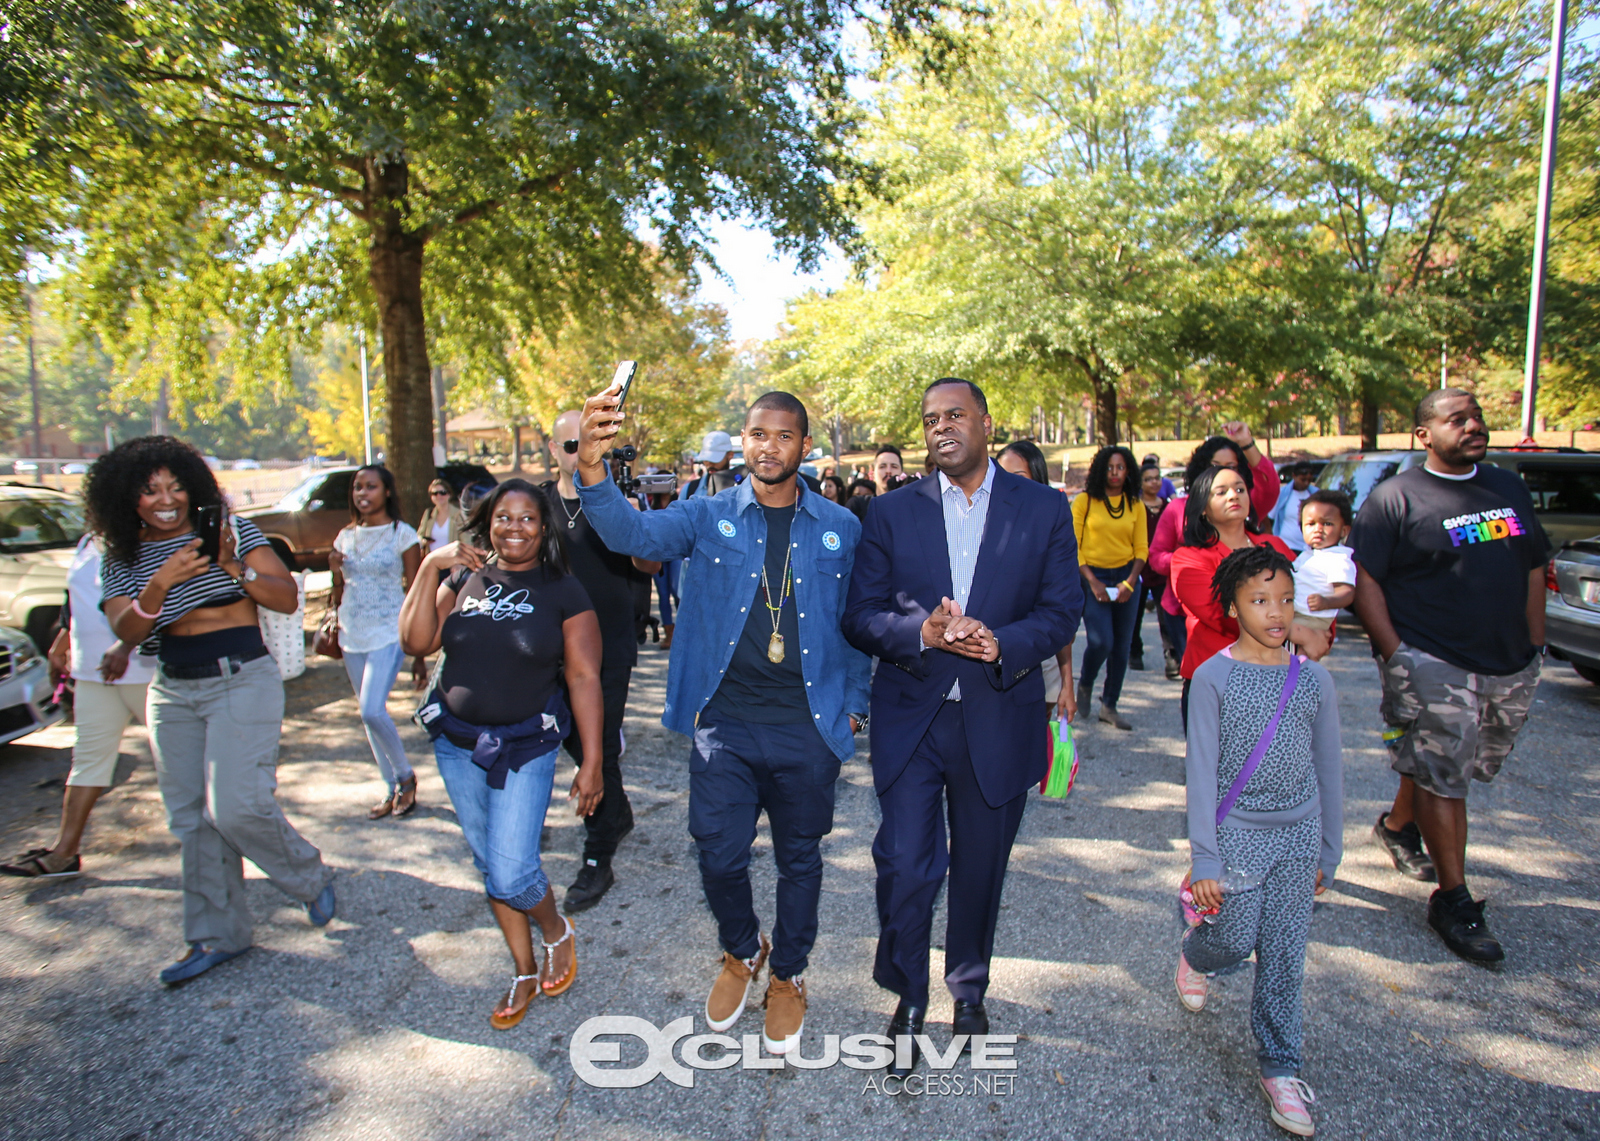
(1325, 572)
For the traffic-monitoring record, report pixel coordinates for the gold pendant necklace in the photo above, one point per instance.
(775, 643)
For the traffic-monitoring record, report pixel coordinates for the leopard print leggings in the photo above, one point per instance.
(1272, 920)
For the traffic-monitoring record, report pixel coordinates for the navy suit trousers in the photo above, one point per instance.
(912, 857)
(736, 769)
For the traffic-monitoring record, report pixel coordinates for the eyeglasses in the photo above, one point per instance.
(570, 447)
(438, 491)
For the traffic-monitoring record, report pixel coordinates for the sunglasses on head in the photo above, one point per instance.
(570, 447)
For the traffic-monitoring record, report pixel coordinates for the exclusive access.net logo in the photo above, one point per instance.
(676, 1052)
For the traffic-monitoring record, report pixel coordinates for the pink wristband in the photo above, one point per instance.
(142, 613)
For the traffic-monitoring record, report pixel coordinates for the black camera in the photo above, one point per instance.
(652, 483)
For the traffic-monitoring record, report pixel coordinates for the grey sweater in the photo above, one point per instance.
(1230, 703)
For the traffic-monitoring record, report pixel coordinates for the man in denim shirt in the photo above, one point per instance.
(761, 678)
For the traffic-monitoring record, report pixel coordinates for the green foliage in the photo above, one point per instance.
(683, 353)
(333, 417)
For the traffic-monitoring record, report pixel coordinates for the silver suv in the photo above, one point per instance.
(39, 530)
(25, 692)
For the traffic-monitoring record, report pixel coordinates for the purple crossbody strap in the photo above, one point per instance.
(1254, 760)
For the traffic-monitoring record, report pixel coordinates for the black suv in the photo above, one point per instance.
(1564, 482)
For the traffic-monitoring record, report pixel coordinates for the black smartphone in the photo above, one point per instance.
(208, 525)
(624, 376)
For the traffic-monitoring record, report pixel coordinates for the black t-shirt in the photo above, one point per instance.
(503, 643)
(756, 688)
(609, 579)
(1453, 558)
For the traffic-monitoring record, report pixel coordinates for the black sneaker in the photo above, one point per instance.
(1136, 663)
(1405, 849)
(1462, 927)
(1172, 666)
(593, 881)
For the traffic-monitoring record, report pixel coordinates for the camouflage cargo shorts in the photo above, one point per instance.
(1446, 726)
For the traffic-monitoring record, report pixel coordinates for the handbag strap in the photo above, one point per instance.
(1253, 761)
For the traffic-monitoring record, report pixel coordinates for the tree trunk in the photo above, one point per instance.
(1369, 420)
(394, 260)
(516, 448)
(1105, 409)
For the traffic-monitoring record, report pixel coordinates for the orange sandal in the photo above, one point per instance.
(565, 983)
(512, 1017)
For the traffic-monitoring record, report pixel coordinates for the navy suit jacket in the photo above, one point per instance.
(1025, 588)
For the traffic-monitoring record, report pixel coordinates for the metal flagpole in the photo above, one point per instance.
(1541, 234)
(366, 401)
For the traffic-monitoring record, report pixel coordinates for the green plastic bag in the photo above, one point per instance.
(1063, 762)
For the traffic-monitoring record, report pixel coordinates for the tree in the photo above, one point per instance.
(683, 352)
(1389, 124)
(1050, 212)
(334, 415)
(449, 172)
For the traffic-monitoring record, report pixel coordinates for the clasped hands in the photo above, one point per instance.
(949, 629)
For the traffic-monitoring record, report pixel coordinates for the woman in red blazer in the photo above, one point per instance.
(1215, 513)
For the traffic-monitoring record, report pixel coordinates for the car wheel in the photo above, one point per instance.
(1587, 673)
(281, 549)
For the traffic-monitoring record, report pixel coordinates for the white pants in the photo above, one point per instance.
(101, 713)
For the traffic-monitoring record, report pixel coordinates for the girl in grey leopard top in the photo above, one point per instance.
(1281, 840)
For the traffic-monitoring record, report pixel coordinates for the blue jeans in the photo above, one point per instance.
(736, 769)
(502, 825)
(1108, 627)
(372, 674)
(667, 589)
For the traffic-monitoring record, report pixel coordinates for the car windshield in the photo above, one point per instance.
(1357, 477)
(37, 523)
(301, 495)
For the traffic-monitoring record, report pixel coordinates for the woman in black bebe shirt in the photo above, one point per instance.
(514, 625)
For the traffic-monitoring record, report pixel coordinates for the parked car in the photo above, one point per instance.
(39, 529)
(1564, 482)
(25, 689)
(1286, 470)
(302, 525)
(246, 465)
(24, 467)
(1572, 607)
(75, 469)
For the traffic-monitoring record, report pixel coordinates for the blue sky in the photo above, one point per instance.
(761, 281)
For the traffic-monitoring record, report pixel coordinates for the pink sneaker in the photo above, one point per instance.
(1291, 1099)
(1191, 986)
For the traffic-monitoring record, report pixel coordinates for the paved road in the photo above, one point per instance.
(377, 1026)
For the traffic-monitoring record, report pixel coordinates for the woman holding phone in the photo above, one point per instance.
(1112, 547)
(514, 625)
(215, 706)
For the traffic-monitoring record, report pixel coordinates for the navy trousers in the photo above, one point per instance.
(912, 857)
(737, 769)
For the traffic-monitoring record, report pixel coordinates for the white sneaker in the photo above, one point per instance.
(1290, 1099)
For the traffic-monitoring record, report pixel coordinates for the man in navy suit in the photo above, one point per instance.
(964, 583)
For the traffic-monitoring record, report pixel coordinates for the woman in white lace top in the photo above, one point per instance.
(373, 561)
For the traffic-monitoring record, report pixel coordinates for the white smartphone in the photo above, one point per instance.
(624, 376)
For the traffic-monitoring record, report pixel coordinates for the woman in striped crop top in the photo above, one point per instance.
(215, 707)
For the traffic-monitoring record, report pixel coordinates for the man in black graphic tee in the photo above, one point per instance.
(1450, 586)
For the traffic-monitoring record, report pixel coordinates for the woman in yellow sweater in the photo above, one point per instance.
(1113, 544)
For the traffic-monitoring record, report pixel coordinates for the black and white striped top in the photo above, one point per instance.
(214, 588)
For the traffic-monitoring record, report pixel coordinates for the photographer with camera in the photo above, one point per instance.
(610, 579)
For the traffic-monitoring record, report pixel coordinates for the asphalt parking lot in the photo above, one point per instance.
(377, 1026)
